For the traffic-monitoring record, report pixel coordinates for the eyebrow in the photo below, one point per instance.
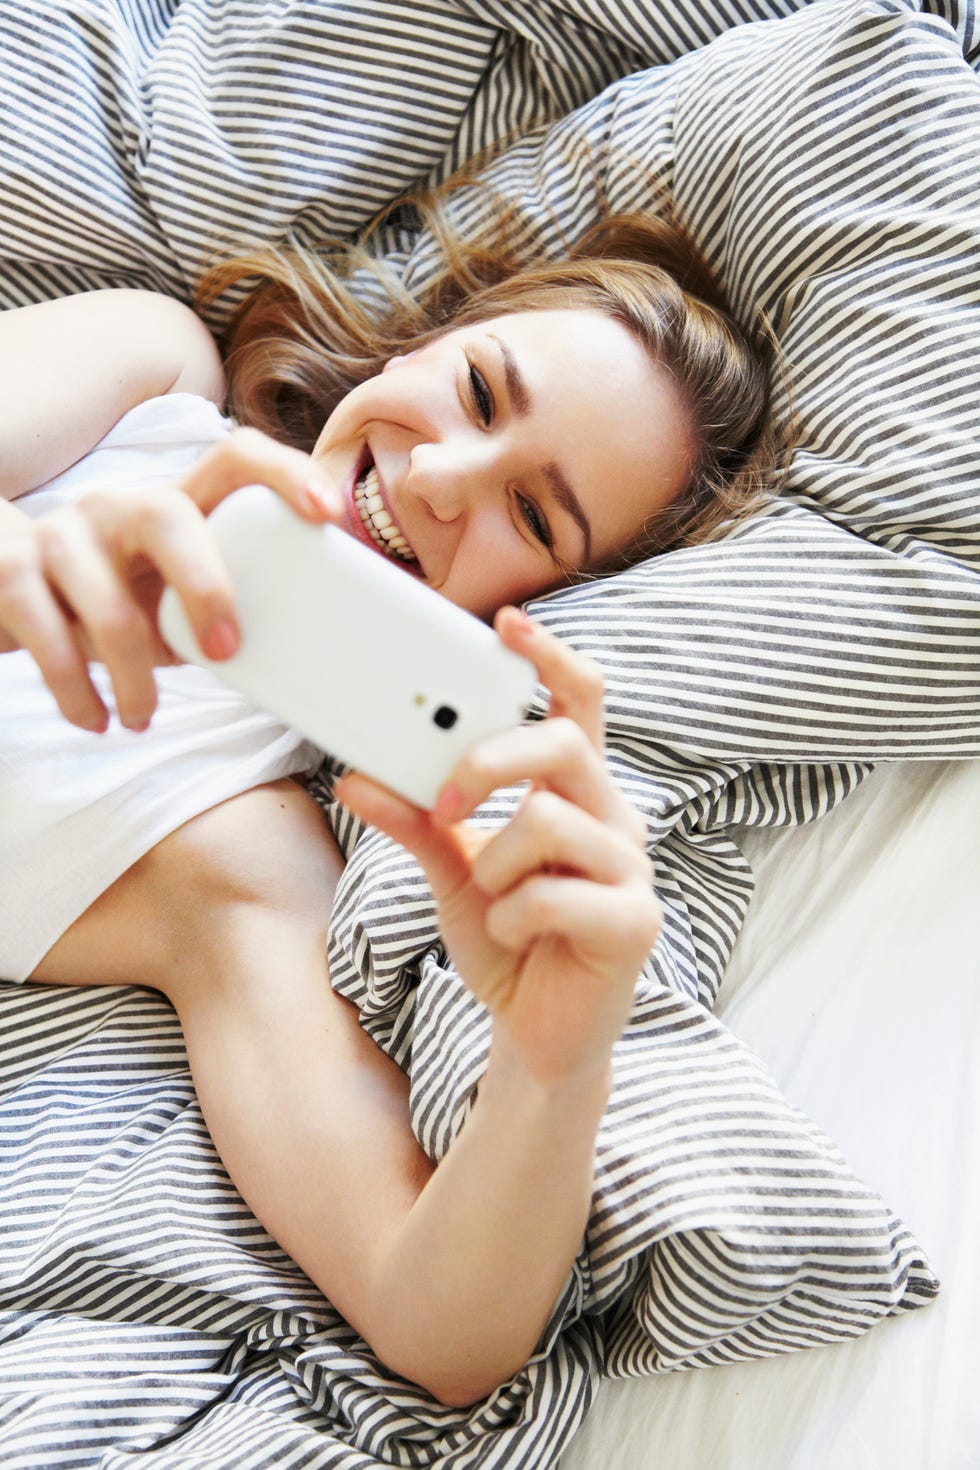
(517, 389)
(569, 502)
(520, 398)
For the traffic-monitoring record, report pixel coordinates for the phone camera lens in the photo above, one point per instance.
(445, 717)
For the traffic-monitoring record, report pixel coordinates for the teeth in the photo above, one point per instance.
(377, 522)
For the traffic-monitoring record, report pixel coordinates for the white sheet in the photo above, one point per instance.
(856, 978)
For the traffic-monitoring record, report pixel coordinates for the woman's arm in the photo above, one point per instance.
(549, 922)
(450, 1273)
(70, 369)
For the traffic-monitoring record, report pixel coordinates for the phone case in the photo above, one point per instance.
(362, 659)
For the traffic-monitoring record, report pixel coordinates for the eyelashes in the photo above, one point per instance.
(482, 397)
(535, 522)
(530, 513)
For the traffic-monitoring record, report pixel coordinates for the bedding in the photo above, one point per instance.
(824, 158)
(870, 1018)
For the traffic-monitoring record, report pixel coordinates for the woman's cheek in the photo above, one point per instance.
(496, 576)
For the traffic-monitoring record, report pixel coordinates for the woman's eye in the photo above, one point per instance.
(536, 522)
(482, 397)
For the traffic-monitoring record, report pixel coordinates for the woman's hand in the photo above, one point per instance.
(549, 919)
(83, 582)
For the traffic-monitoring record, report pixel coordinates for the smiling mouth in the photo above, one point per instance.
(376, 520)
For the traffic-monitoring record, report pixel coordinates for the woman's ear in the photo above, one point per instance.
(393, 362)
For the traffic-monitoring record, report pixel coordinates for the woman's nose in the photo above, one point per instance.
(446, 476)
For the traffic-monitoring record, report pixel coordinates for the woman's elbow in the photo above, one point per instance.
(452, 1381)
(460, 1390)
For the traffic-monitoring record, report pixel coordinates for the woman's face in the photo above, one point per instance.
(504, 455)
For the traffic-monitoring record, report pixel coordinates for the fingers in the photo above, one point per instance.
(171, 527)
(549, 834)
(550, 918)
(33, 618)
(85, 581)
(564, 753)
(576, 683)
(537, 871)
(554, 871)
(114, 628)
(34, 621)
(609, 927)
(554, 752)
(248, 457)
(574, 827)
(167, 530)
(107, 559)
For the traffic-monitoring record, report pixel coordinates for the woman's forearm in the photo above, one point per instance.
(549, 919)
(466, 1282)
(449, 1273)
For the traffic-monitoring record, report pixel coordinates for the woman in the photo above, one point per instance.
(495, 440)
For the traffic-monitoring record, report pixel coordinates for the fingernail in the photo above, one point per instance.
(221, 639)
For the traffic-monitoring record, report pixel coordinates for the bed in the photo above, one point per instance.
(796, 709)
(827, 963)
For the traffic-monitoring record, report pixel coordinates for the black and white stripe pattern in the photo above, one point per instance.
(826, 161)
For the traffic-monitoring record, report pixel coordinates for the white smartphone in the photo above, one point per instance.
(360, 657)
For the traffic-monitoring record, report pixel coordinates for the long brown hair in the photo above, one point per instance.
(301, 337)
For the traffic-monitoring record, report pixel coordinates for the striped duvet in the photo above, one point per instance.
(826, 160)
